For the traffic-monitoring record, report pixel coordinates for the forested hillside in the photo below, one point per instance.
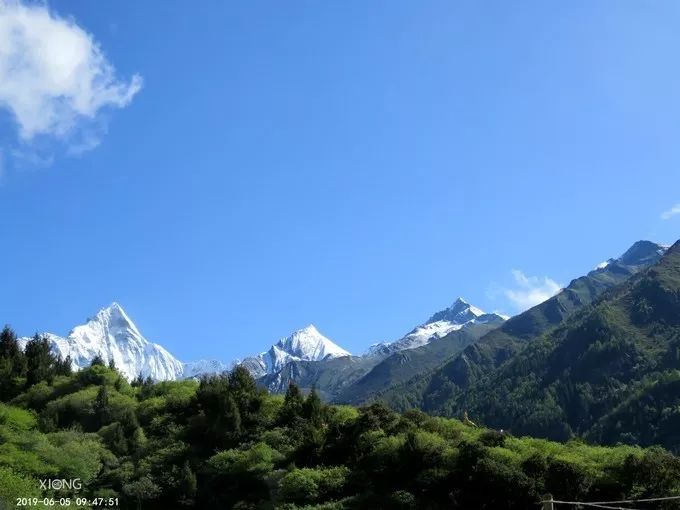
(437, 390)
(610, 372)
(225, 443)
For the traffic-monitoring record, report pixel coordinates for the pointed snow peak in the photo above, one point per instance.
(310, 329)
(112, 335)
(308, 343)
(113, 310)
(461, 306)
(459, 312)
(113, 316)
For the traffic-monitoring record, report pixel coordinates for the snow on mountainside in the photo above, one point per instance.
(459, 315)
(306, 344)
(196, 369)
(112, 335)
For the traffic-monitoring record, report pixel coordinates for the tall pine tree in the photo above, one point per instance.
(40, 362)
(12, 364)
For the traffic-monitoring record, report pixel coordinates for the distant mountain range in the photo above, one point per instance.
(461, 358)
(350, 378)
(446, 388)
(112, 335)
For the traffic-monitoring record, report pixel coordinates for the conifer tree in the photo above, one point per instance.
(63, 365)
(97, 361)
(313, 408)
(40, 363)
(101, 407)
(292, 405)
(137, 381)
(12, 364)
(10, 351)
(188, 485)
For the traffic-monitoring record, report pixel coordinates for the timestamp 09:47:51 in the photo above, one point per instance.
(67, 502)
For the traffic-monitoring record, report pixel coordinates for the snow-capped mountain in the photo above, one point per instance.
(196, 369)
(112, 335)
(459, 315)
(305, 344)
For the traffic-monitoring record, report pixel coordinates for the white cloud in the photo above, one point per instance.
(530, 290)
(54, 78)
(667, 215)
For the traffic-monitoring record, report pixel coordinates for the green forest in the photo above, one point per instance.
(608, 372)
(224, 442)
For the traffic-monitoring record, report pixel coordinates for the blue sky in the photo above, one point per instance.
(232, 171)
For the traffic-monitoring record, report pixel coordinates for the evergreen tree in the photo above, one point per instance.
(97, 361)
(246, 395)
(40, 362)
(313, 408)
(292, 405)
(137, 381)
(102, 407)
(10, 350)
(12, 364)
(188, 485)
(112, 364)
(63, 366)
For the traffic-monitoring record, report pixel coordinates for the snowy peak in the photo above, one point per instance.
(197, 369)
(115, 317)
(459, 312)
(112, 335)
(111, 325)
(306, 344)
(459, 315)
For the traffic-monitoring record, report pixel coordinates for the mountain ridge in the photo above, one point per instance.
(609, 373)
(431, 390)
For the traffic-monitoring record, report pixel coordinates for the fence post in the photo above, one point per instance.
(548, 502)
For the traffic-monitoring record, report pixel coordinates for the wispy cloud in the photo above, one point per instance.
(530, 290)
(667, 215)
(54, 78)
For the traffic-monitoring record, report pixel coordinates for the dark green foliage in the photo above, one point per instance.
(225, 443)
(102, 407)
(12, 364)
(292, 405)
(609, 373)
(97, 361)
(63, 366)
(40, 362)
